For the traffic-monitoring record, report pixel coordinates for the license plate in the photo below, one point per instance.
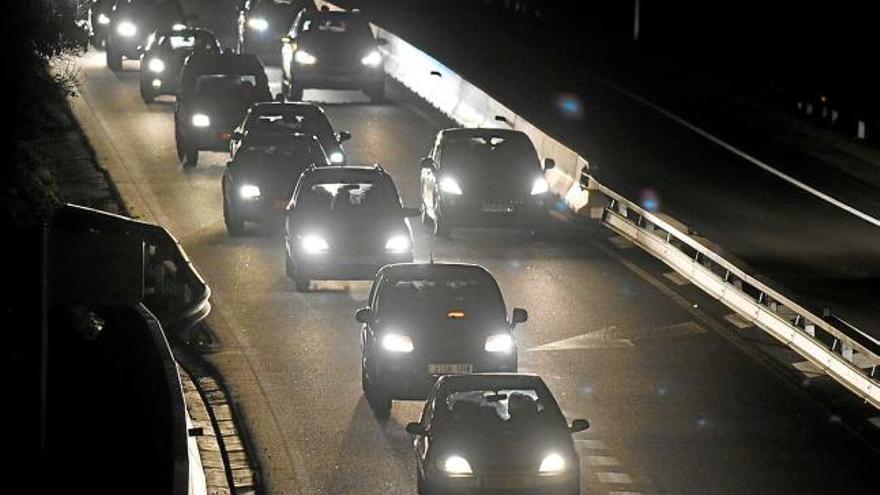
(507, 482)
(497, 208)
(448, 369)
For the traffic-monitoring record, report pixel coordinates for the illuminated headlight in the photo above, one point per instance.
(157, 83)
(156, 65)
(313, 244)
(394, 342)
(540, 186)
(127, 29)
(201, 120)
(456, 465)
(373, 59)
(449, 185)
(303, 57)
(501, 342)
(552, 464)
(249, 191)
(178, 27)
(103, 19)
(397, 244)
(337, 157)
(258, 24)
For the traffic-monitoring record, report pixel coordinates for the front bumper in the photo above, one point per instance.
(261, 209)
(209, 138)
(323, 77)
(507, 484)
(163, 83)
(406, 376)
(127, 46)
(346, 266)
(462, 211)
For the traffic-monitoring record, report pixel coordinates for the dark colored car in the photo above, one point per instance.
(493, 434)
(484, 177)
(100, 13)
(345, 223)
(215, 92)
(308, 118)
(258, 183)
(426, 320)
(262, 24)
(332, 50)
(133, 21)
(163, 57)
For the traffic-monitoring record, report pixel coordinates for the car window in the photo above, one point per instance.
(503, 409)
(508, 153)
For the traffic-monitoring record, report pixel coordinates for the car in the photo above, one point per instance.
(100, 12)
(262, 23)
(259, 181)
(272, 117)
(423, 320)
(132, 22)
(484, 177)
(332, 50)
(163, 57)
(344, 223)
(215, 92)
(495, 433)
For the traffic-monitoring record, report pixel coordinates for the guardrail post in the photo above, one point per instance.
(622, 209)
(846, 350)
(810, 328)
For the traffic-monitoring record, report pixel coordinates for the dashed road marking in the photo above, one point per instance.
(613, 477)
(624, 493)
(591, 444)
(621, 242)
(602, 460)
(614, 337)
(676, 278)
(738, 321)
(808, 368)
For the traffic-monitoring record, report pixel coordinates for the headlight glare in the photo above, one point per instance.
(502, 342)
(201, 120)
(126, 28)
(303, 57)
(395, 342)
(397, 244)
(314, 244)
(337, 157)
(373, 59)
(249, 191)
(156, 65)
(449, 185)
(103, 19)
(553, 463)
(456, 465)
(540, 186)
(258, 24)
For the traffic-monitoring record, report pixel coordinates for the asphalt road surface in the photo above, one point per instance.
(679, 401)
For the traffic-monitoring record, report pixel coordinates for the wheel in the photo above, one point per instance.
(380, 402)
(301, 281)
(114, 58)
(234, 225)
(377, 93)
(147, 94)
(189, 155)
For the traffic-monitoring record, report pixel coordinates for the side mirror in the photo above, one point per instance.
(416, 429)
(343, 136)
(381, 42)
(579, 425)
(427, 162)
(411, 212)
(549, 163)
(237, 136)
(364, 315)
(519, 316)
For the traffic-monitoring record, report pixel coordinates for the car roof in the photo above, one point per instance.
(427, 269)
(474, 381)
(346, 172)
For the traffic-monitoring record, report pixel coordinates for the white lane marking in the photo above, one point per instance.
(611, 477)
(621, 242)
(624, 493)
(808, 368)
(742, 154)
(602, 460)
(676, 278)
(875, 421)
(591, 444)
(614, 337)
(738, 321)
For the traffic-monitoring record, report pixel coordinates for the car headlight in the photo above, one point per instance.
(156, 65)
(397, 244)
(337, 157)
(456, 465)
(394, 342)
(373, 59)
(201, 120)
(540, 186)
(103, 19)
(127, 29)
(258, 24)
(303, 57)
(249, 191)
(449, 185)
(553, 463)
(314, 244)
(502, 342)
(178, 27)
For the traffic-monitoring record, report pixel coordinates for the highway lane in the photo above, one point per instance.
(676, 408)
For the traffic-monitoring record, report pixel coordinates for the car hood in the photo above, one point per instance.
(493, 181)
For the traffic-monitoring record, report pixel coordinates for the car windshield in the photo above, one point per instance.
(189, 42)
(349, 197)
(290, 153)
(336, 28)
(464, 297)
(494, 410)
(511, 153)
(226, 84)
(292, 121)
